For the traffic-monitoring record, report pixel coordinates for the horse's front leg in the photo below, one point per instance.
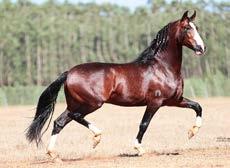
(149, 113)
(186, 103)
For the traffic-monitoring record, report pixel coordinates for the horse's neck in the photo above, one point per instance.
(172, 57)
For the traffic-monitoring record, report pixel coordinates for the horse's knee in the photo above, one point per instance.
(57, 127)
(198, 109)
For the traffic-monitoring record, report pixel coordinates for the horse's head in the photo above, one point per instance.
(188, 34)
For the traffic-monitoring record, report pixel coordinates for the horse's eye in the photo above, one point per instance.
(187, 28)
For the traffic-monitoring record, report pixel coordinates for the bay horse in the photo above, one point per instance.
(153, 80)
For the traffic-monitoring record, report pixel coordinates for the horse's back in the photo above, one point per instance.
(106, 82)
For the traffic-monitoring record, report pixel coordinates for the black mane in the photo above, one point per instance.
(158, 44)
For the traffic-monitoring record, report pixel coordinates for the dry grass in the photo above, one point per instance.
(165, 140)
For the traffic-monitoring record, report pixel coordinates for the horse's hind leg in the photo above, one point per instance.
(59, 124)
(79, 117)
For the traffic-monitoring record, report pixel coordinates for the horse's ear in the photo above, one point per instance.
(192, 18)
(185, 16)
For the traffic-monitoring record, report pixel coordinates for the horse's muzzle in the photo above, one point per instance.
(199, 50)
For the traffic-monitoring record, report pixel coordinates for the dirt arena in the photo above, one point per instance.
(165, 141)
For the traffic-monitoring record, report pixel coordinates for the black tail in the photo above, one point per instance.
(44, 109)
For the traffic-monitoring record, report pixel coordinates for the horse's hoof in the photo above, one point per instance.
(57, 160)
(192, 131)
(140, 150)
(96, 140)
(54, 156)
(190, 134)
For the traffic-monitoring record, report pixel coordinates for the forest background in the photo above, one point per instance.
(40, 41)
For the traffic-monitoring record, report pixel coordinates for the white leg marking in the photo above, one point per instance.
(197, 37)
(137, 144)
(198, 121)
(195, 128)
(94, 129)
(50, 150)
(52, 142)
(139, 148)
(97, 134)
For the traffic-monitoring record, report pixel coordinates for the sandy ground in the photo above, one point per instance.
(165, 141)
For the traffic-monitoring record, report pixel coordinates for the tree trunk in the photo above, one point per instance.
(39, 64)
(28, 61)
(227, 60)
(112, 44)
(81, 45)
(1, 67)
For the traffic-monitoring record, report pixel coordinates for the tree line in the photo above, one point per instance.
(38, 42)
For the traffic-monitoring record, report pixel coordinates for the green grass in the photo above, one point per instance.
(215, 85)
(210, 86)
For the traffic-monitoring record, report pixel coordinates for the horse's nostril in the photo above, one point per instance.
(199, 49)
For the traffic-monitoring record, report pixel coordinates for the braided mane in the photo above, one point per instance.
(158, 44)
